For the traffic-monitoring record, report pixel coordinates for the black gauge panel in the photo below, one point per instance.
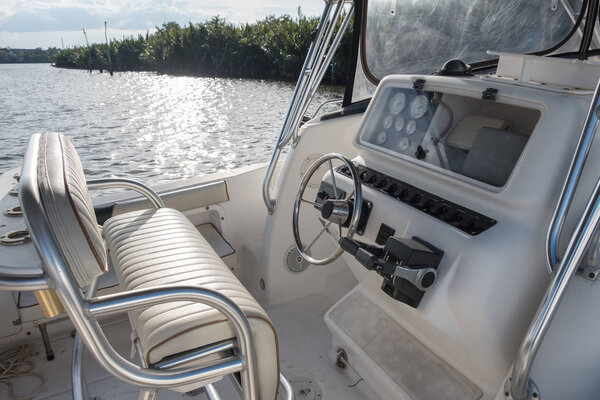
(460, 217)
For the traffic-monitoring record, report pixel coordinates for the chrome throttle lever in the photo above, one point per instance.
(422, 278)
(370, 257)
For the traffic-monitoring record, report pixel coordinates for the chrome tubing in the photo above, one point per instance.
(121, 302)
(323, 104)
(196, 355)
(269, 202)
(23, 284)
(80, 388)
(211, 392)
(305, 74)
(313, 70)
(305, 99)
(78, 383)
(123, 183)
(78, 308)
(575, 170)
(520, 386)
(288, 388)
(328, 58)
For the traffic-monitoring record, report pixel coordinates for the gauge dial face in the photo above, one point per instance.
(381, 138)
(388, 121)
(399, 124)
(404, 144)
(411, 127)
(419, 106)
(397, 103)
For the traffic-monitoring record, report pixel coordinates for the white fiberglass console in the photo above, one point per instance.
(474, 167)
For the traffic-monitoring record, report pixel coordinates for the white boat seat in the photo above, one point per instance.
(158, 249)
(161, 247)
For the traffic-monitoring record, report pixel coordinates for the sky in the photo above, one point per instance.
(50, 23)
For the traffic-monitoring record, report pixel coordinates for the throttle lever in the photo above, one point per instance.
(421, 277)
(365, 254)
(352, 246)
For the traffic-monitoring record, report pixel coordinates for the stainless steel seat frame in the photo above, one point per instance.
(85, 311)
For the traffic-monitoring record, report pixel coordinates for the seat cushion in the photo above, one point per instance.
(67, 203)
(160, 247)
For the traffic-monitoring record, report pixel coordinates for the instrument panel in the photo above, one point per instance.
(403, 121)
(470, 136)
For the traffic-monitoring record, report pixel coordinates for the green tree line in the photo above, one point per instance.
(38, 55)
(271, 48)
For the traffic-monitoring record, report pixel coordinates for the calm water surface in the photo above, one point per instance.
(154, 128)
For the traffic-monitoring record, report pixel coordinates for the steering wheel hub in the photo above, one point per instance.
(336, 211)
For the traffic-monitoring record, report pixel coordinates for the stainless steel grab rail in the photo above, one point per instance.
(323, 104)
(109, 183)
(520, 386)
(575, 170)
(315, 65)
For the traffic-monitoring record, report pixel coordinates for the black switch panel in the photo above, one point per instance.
(460, 217)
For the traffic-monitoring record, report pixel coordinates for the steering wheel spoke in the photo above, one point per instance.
(336, 210)
(312, 203)
(318, 236)
(335, 191)
(347, 199)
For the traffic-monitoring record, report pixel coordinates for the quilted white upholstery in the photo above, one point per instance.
(69, 209)
(161, 247)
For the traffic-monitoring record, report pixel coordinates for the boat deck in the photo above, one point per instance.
(305, 346)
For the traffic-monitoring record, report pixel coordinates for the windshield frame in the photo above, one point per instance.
(583, 53)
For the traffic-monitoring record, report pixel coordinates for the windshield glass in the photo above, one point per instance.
(418, 36)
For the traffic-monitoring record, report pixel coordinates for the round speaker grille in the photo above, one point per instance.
(294, 261)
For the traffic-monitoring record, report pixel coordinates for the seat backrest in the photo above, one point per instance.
(68, 208)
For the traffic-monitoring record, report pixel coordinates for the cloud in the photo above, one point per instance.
(45, 39)
(22, 22)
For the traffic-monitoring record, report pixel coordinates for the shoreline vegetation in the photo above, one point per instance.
(270, 48)
(22, 56)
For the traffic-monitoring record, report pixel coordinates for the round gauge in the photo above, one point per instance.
(419, 106)
(399, 124)
(388, 121)
(411, 127)
(404, 144)
(397, 103)
(381, 138)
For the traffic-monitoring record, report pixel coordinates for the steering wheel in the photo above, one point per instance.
(337, 210)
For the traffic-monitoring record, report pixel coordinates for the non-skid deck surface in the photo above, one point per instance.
(406, 361)
(304, 344)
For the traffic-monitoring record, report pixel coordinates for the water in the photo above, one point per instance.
(150, 127)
